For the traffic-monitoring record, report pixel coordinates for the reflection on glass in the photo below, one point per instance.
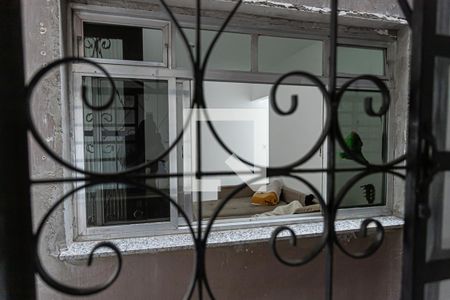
(231, 52)
(438, 244)
(439, 223)
(441, 121)
(355, 60)
(443, 18)
(365, 137)
(279, 55)
(123, 42)
(130, 132)
(437, 290)
(242, 117)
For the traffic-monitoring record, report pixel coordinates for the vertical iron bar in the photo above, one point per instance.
(331, 151)
(413, 230)
(423, 25)
(333, 47)
(199, 97)
(198, 36)
(16, 236)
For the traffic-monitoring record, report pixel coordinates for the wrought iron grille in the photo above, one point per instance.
(331, 135)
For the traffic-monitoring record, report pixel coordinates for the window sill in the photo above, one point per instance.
(155, 244)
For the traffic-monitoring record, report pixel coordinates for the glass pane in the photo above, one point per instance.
(438, 244)
(439, 222)
(153, 44)
(443, 17)
(354, 60)
(231, 52)
(438, 290)
(366, 138)
(123, 42)
(133, 130)
(441, 126)
(280, 55)
(245, 122)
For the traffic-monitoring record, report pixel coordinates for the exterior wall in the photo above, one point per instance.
(248, 272)
(398, 109)
(42, 43)
(243, 272)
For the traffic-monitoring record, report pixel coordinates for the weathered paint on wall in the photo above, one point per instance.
(42, 33)
(399, 111)
(244, 272)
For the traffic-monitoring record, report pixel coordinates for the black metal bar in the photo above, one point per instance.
(16, 236)
(332, 98)
(421, 85)
(407, 11)
(329, 253)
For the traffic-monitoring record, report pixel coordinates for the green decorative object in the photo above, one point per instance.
(354, 143)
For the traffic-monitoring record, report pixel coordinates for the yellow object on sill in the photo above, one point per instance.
(268, 198)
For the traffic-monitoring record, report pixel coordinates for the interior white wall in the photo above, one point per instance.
(238, 135)
(300, 130)
(292, 136)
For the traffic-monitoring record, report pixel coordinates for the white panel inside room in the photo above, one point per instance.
(299, 131)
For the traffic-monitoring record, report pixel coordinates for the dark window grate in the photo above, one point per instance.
(420, 147)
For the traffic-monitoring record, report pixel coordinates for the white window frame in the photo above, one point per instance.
(82, 17)
(82, 228)
(149, 70)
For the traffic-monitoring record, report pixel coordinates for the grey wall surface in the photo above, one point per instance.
(42, 34)
(243, 272)
(398, 111)
(249, 272)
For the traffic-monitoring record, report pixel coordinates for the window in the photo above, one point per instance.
(232, 51)
(129, 41)
(123, 42)
(371, 132)
(281, 55)
(152, 102)
(358, 60)
(132, 131)
(137, 128)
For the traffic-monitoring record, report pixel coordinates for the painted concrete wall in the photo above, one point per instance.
(249, 272)
(398, 108)
(243, 272)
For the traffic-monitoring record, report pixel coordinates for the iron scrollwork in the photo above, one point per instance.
(97, 45)
(331, 131)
